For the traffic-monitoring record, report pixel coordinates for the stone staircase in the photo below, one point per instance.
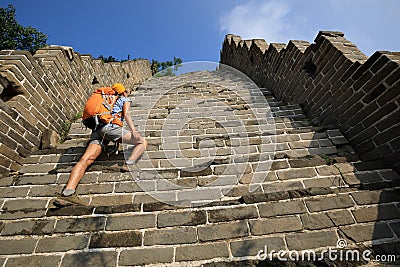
(229, 171)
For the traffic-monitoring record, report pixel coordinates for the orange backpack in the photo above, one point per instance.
(98, 109)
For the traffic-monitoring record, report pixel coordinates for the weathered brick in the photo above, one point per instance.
(184, 218)
(110, 200)
(116, 223)
(282, 186)
(328, 170)
(324, 182)
(310, 161)
(36, 260)
(281, 208)
(316, 221)
(202, 252)
(28, 228)
(251, 247)
(201, 194)
(181, 235)
(310, 240)
(375, 197)
(80, 225)
(362, 178)
(223, 231)
(231, 214)
(9, 192)
(233, 169)
(329, 203)
(119, 239)
(153, 197)
(97, 258)
(20, 246)
(84, 189)
(18, 204)
(367, 232)
(176, 184)
(376, 213)
(277, 165)
(296, 173)
(340, 217)
(19, 214)
(143, 256)
(275, 225)
(62, 243)
(70, 211)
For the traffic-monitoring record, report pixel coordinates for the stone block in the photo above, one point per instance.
(376, 213)
(117, 209)
(281, 208)
(19, 246)
(324, 182)
(111, 200)
(232, 214)
(18, 204)
(310, 240)
(282, 186)
(28, 227)
(70, 211)
(181, 235)
(181, 218)
(202, 251)
(277, 165)
(375, 197)
(358, 178)
(316, 221)
(37, 180)
(296, 173)
(144, 256)
(310, 161)
(132, 187)
(200, 194)
(251, 247)
(62, 243)
(95, 258)
(367, 232)
(329, 203)
(328, 170)
(275, 225)
(223, 231)
(80, 225)
(119, 239)
(131, 222)
(340, 217)
(10, 192)
(35, 260)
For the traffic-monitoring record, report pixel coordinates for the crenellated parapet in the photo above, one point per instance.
(335, 83)
(41, 92)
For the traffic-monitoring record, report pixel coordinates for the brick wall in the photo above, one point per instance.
(336, 84)
(41, 92)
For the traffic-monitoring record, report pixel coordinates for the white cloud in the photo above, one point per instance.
(256, 19)
(369, 24)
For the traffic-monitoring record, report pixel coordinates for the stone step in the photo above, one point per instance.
(312, 221)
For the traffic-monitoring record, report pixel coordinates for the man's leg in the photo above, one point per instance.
(139, 142)
(69, 196)
(90, 155)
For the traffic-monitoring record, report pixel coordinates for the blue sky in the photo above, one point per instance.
(194, 30)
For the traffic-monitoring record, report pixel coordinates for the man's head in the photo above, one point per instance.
(118, 88)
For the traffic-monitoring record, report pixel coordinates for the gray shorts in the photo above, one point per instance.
(107, 133)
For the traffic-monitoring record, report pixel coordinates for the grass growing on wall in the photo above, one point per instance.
(64, 131)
